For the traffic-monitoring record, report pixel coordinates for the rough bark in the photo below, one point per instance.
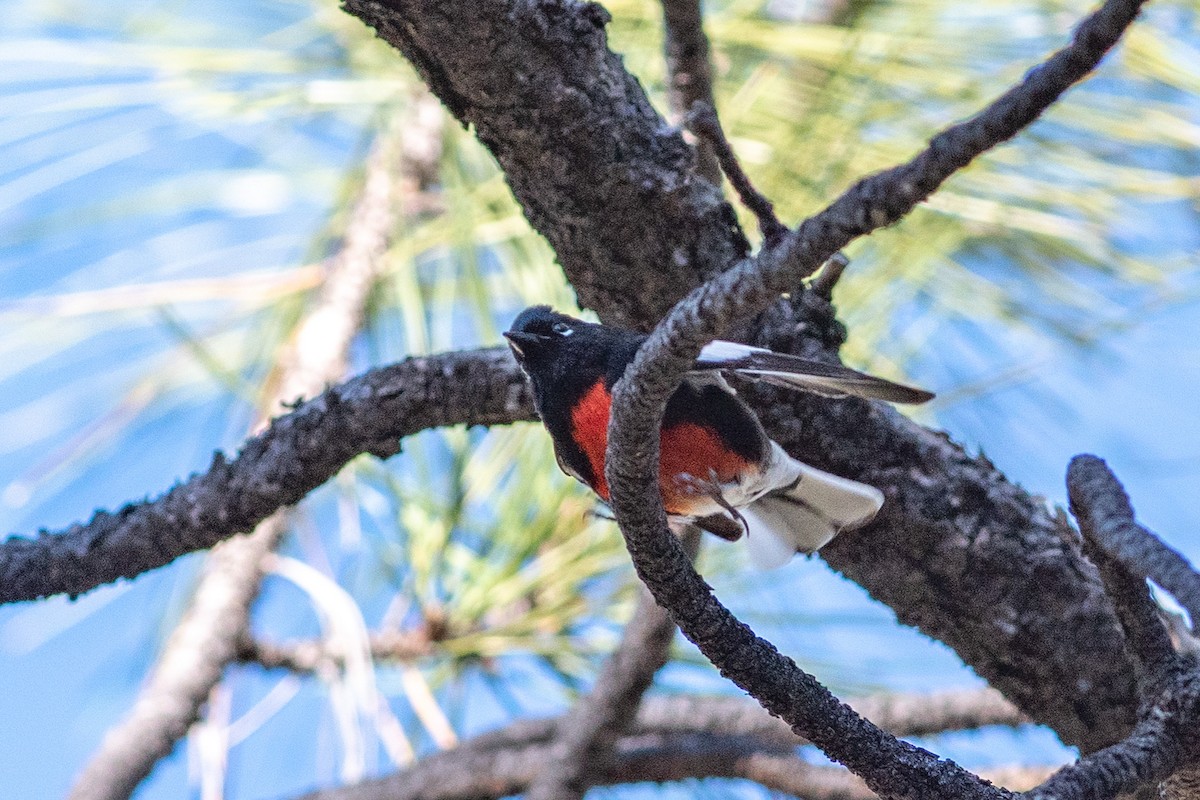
(296, 453)
(599, 173)
(611, 187)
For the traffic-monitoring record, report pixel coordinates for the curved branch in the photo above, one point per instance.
(296, 453)
(959, 551)
(891, 767)
(1104, 512)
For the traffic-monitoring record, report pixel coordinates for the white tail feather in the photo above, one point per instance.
(805, 517)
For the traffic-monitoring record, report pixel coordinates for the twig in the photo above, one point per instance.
(206, 638)
(703, 121)
(586, 735)
(891, 767)
(689, 72)
(309, 655)
(830, 274)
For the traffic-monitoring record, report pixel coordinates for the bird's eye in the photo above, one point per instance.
(562, 329)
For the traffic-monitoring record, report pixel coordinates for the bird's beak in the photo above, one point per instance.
(520, 341)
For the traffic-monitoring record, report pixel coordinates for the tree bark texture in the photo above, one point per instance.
(297, 453)
(959, 552)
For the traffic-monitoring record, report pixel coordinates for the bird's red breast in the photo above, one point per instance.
(691, 448)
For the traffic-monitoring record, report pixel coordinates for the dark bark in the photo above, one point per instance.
(615, 195)
(890, 767)
(1100, 502)
(597, 170)
(298, 452)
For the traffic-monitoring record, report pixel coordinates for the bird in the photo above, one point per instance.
(718, 468)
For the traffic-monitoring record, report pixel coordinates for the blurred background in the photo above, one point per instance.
(176, 176)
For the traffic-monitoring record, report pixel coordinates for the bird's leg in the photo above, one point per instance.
(710, 487)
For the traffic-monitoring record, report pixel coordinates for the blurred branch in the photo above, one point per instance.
(891, 767)
(689, 737)
(205, 640)
(310, 655)
(900, 713)
(689, 72)
(587, 733)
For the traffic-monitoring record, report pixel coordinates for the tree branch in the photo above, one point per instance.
(296, 453)
(1106, 518)
(959, 551)
(309, 655)
(689, 72)
(1164, 738)
(890, 767)
(472, 773)
(703, 121)
(599, 173)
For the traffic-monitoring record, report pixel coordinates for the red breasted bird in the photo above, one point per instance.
(718, 468)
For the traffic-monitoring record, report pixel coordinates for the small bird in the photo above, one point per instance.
(717, 466)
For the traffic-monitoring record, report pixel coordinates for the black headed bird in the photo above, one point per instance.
(718, 468)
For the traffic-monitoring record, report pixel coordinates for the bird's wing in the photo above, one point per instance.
(794, 372)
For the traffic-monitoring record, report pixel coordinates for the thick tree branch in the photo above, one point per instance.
(959, 551)
(595, 167)
(891, 767)
(296, 453)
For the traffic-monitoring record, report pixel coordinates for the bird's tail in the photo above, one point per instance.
(806, 514)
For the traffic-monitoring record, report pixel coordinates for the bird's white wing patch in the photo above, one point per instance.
(720, 351)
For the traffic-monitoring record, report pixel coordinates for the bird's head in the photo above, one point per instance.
(539, 333)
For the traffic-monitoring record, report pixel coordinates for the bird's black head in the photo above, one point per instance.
(564, 356)
(556, 350)
(539, 334)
